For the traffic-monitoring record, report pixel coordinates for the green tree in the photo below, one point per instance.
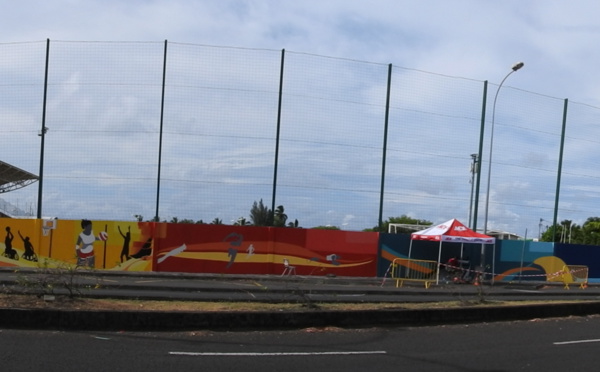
(328, 227)
(280, 217)
(568, 232)
(187, 220)
(242, 222)
(261, 215)
(217, 221)
(591, 231)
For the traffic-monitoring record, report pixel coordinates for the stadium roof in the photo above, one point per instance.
(12, 178)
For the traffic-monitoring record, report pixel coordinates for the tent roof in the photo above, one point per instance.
(12, 178)
(452, 231)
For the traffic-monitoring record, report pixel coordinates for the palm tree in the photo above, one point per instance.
(217, 221)
(242, 222)
(280, 217)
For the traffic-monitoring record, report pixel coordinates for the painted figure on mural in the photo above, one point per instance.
(126, 240)
(145, 251)
(235, 240)
(29, 253)
(85, 245)
(9, 252)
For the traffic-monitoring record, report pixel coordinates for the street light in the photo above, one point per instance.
(514, 68)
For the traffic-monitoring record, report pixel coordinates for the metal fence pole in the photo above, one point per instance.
(385, 135)
(162, 112)
(559, 172)
(43, 134)
(481, 130)
(278, 131)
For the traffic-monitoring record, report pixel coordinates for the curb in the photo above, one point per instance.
(236, 321)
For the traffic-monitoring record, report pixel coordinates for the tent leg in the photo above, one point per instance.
(437, 280)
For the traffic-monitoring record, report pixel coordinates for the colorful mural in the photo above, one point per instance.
(225, 249)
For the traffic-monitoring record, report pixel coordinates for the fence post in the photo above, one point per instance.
(385, 135)
(480, 152)
(560, 160)
(162, 112)
(276, 164)
(43, 134)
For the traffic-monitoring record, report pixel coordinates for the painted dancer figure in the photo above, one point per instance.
(126, 240)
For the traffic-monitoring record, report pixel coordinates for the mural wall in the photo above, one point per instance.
(225, 249)
(262, 250)
(96, 244)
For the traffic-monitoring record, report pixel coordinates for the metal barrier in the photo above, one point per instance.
(404, 269)
(577, 274)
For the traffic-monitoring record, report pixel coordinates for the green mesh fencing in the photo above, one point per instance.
(199, 133)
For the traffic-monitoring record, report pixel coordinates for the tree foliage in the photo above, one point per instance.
(242, 222)
(568, 232)
(260, 214)
(280, 217)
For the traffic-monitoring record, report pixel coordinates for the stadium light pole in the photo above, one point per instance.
(514, 68)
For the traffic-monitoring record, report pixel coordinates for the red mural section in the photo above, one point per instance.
(220, 249)
(228, 249)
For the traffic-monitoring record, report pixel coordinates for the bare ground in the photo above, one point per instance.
(63, 302)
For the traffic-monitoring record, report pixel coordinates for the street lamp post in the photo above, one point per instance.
(514, 68)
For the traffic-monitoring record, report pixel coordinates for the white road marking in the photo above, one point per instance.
(278, 354)
(575, 342)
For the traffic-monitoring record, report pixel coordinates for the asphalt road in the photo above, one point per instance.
(537, 345)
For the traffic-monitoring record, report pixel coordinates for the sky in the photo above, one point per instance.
(473, 39)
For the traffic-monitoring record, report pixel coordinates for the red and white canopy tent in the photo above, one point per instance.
(452, 231)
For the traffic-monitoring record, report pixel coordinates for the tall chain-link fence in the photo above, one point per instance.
(117, 130)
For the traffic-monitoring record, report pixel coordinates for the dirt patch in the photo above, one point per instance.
(20, 301)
